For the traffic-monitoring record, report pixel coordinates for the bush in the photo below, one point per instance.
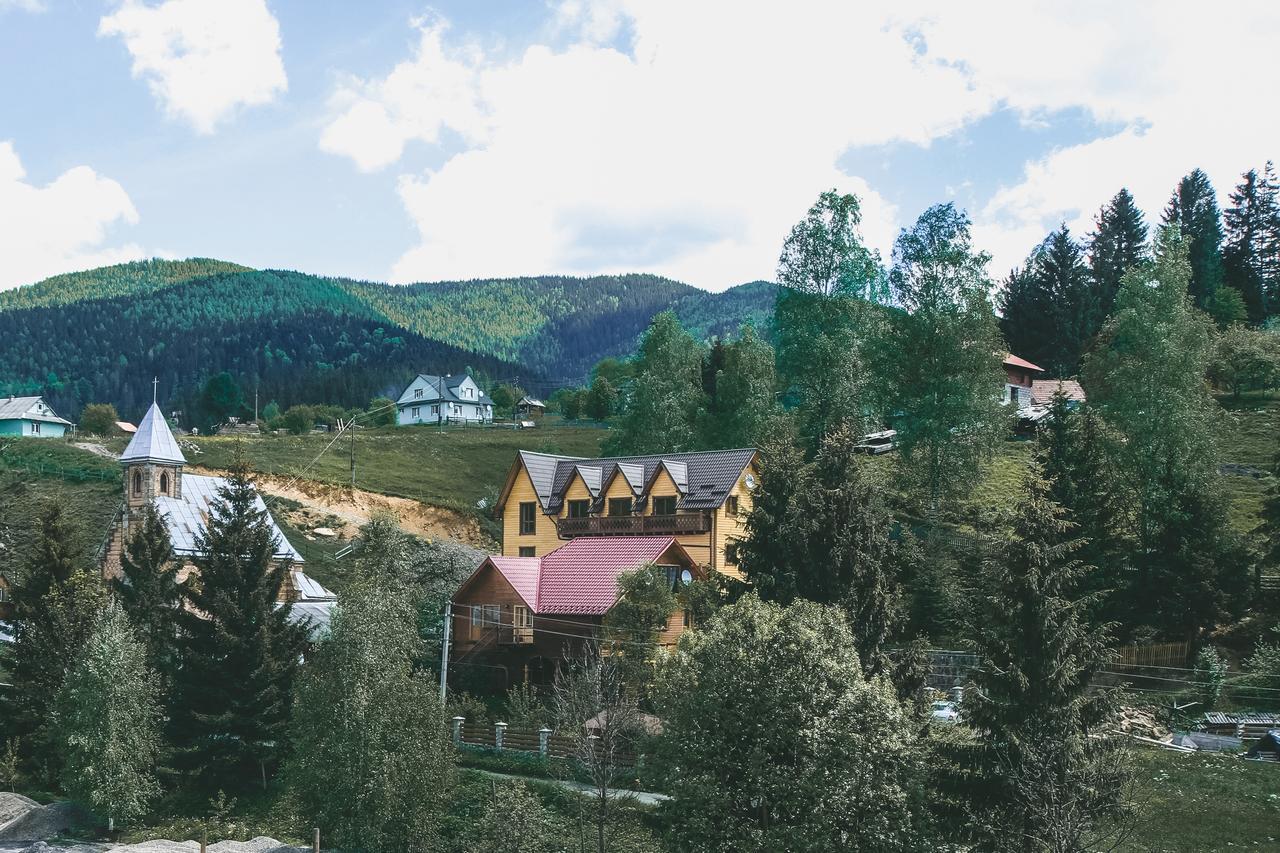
(99, 419)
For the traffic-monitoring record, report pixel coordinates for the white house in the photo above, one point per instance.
(432, 399)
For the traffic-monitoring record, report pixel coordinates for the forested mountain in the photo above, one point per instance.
(100, 335)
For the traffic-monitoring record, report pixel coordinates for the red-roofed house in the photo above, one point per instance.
(516, 617)
(1019, 378)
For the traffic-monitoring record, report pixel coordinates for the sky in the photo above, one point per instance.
(403, 141)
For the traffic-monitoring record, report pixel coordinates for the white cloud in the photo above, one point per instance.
(22, 5)
(202, 58)
(692, 152)
(58, 227)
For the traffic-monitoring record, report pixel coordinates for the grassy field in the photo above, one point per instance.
(1205, 802)
(453, 468)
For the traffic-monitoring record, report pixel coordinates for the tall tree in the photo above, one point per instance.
(742, 398)
(774, 740)
(1048, 781)
(1246, 234)
(822, 315)
(240, 650)
(108, 722)
(1146, 378)
(601, 399)
(371, 759)
(662, 412)
(942, 360)
(1075, 451)
(1050, 308)
(767, 553)
(1117, 245)
(55, 607)
(1269, 246)
(1194, 209)
(148, 589)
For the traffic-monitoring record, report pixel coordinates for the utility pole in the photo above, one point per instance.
(351, 426)
(255, 404)
(444, 651)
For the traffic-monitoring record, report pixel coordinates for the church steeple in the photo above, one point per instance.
(152, 461)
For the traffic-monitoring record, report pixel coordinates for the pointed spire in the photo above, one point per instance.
(153, 442)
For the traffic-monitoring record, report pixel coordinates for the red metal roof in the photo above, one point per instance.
(1012, 359)
(581, 576)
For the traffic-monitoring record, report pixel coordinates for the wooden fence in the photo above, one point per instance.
(1156, 654)
(544, 742)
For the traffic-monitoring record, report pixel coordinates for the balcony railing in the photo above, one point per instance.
(633, 525)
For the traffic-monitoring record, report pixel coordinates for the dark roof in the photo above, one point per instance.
(1043, 390)
(445, 388)
(708, 474)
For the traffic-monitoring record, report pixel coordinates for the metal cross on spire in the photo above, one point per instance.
(155, 388)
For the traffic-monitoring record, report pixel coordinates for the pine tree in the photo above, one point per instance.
(55, 606)
(942, 357)
(767, 551)
(1050, 307)
(1075, 452)
(1045, 782)
(1118, 245)
(1269, 245)
(148, 589)
(1246, 233)
(662, 413)
(1194, 209)
(239, 650)
(371, 758)
(108, 722)
(742, 399)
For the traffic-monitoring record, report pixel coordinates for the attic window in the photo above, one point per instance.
(417, 393)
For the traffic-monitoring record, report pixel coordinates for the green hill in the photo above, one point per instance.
(100, 335)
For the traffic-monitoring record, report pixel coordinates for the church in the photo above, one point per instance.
(153, 473)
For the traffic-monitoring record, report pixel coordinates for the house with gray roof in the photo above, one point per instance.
(153, 474)
(30, 416)
(432, 399)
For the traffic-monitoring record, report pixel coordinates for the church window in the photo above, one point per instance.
(137, 482)
(164, 483)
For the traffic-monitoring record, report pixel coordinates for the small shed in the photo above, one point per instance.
(1267, 748)
(530, 409)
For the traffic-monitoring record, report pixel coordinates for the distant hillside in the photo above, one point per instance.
(100, 335)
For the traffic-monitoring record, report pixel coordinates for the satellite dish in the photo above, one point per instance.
(750, 481)
(686, 577)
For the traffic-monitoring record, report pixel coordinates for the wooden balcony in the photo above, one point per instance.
(634, 525)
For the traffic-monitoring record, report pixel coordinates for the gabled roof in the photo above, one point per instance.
(709, 475)
(1042, 390)
(187, 517)
(153, 442)
(581, 576)
(444, 388)
(591, 478)
(1013, 360)
(532, 402)
(29, 409)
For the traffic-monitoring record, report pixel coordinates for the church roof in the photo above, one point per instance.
(153, 442)
(186, 517)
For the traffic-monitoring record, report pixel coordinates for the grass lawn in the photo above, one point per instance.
(453, 468)
(1205, 802)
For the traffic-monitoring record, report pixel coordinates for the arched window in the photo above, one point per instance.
(137, 482)
(164, 483)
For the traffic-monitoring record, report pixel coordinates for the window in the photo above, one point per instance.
(35, 427)
(164, 483)
(528, 520)
(665, 505)
(528, 551)
(731, 505)
(435, 410)
(416, 411)
(731, 552)
(619, 506)
(417, 393)
(579, 509)
(137, 482)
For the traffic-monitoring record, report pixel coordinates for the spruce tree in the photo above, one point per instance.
(55, 605)
(1246, 233)
(372, 761)
(742, 399)
(108, 722)
(1050, 307)
(148, 589)
(768, 550)
(1269, 245)
(1046, 778)
(1194, 209)
(661, 415)
(1117, 245)
(239, 648)
(942, 358)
